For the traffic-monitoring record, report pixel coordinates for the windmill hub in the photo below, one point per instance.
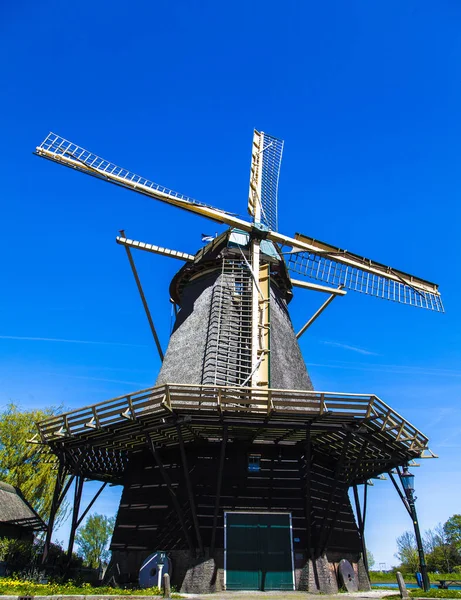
(260, 231)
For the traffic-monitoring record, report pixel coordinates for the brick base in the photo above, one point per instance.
(202, 575)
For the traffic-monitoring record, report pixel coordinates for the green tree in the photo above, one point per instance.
(440, 553)
(452, 529)
(30, 467)
(407, 552)
(370, 559)
(93, 538)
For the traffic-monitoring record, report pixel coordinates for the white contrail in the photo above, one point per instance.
(353, 348)
(60, 340)
(384, 368)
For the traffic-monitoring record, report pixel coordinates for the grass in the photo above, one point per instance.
(9, 586)
(434, 593)
(380, 577)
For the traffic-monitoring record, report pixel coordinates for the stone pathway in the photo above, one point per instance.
(373, 594)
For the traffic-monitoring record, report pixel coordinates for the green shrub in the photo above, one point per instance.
(17, 553)
(24, 557)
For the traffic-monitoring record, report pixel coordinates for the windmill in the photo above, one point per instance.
(233, 390)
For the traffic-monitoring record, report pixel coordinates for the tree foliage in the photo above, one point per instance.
(442, 548)
(370, 560)
(93, 538)
(452, 529)
(407, 552)
(440, 552)
(23, 556)
(30, 467)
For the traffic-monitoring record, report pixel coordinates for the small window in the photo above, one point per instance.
(254, 463)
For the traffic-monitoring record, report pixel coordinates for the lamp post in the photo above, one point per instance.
(408, 480)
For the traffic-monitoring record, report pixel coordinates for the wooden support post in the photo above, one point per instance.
(95, 497)
(171, 491)
(60, 478)
(399, 491)
(79, 479)
(190, 491)
(323, 529)
(317, 314)
(347, 483)
(65, 490)
(307, 488)
(361, 525)
(143, 299)
(307, 504)
(222, 458)
(75, 510)
(365, 496)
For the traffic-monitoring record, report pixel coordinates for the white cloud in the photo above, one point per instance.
(383, 368)
(352, 348)
(60, 340)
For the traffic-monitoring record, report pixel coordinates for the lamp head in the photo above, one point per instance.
(408, 480)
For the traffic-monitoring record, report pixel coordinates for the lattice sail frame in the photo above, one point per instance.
(325, 269)
(54, 146)
(266, 160)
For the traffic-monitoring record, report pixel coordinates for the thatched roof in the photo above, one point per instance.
(15, 510)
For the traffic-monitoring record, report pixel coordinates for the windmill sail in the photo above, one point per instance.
(266, 158)
(351, 271)
(62, 151)
(307, 257)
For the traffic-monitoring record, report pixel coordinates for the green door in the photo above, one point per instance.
(258, 551)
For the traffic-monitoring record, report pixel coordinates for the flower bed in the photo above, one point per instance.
(10, 586)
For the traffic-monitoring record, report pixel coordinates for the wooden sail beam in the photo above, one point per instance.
(124, 241)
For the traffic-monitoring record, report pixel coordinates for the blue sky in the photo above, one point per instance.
(366, 96)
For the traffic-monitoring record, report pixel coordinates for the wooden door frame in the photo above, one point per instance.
(259, 512)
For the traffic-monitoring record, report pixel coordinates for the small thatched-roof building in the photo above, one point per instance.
(18, 519)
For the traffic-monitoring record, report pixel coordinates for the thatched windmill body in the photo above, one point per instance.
(232, 463)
